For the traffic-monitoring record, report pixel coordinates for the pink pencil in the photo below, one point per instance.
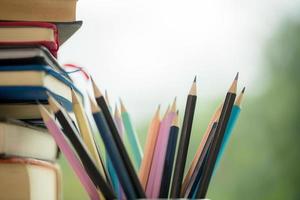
(68, 152)
(155, 176)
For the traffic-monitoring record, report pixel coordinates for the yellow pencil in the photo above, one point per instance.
(86, 132)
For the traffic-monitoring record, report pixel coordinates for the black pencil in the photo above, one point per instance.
(196, 176)
(184, 141)
(216, 144)
(169, 159)
(114, 131)
(71, 133)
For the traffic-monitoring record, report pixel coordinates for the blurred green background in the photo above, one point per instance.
(262, 160)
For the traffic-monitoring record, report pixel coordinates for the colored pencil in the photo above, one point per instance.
(120, 146)
(169, 160)
(113, 151)
(120, 127)
(109, 165)
(184, 142)
(209, 165)
(71, 133)
(132, 136)
(187, 177)
(86, 132)
(149, 148)
(231, 124)
(60, 140)
(196, 175)
(154, 182)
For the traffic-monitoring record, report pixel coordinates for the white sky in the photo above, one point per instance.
(147, 52)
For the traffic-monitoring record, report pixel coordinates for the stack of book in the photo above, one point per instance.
(31, 32)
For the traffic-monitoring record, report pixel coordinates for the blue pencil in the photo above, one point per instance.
(169, 160)
(113, 152)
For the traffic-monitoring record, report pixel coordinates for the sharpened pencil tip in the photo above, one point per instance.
(94, 106)
(236, 76)
(96, 90)
(44, 113)
(193, 90)
(55, 106)
(123, 109)
(117, 113)
(243, 90)
(195, 79)
(173, 108)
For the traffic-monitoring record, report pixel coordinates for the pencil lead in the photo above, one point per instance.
(243, 90)
(239, 99)
(96, 90)
(173, 108)
(236, 76)
(193, 90)
(195, 79)
(94, 106)
(177, 112)
(55, 106)
(123, 109)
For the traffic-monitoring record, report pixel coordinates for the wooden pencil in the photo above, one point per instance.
(111, 171)
(187, 177)
(196, 175)
(114, 131)
(120, 127)
(86, 132)
(231, 124)
(184, 142)
(71, 133)
(132, 136)
(71, 157)
(169, 160)
(113, 152)
(155, 176)
(149, 148)
(209, 165)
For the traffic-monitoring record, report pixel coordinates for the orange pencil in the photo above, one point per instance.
(187, 177)
(149, 148)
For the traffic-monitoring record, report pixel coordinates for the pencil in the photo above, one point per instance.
(187, 177)
(121, 148)
(169, 160)
(196, 175)
(184, 141)
(155, 176)
(71, 133)
(120, 127)
(109, 165)
(149, 148)
(132, 136)
(71, 157)
(231, 124)
(113, 152)
(86, 132)
(209, 165)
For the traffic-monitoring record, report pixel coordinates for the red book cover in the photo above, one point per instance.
(53, 46)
